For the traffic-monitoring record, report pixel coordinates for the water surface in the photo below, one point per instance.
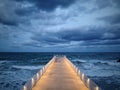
(17, 68)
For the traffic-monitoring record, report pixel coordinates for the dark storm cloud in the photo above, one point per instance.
(33, 44)
(92, 36)
(49, 5)
(117, 3)
(79, 35)
(101, 42)
(49, 38)
(112, 19)
(7, 16)
(8, 22)
(10, 13)
(100, 4)
(25, 11)
(59, 23)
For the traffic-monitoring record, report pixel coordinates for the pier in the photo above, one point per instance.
(60, 74)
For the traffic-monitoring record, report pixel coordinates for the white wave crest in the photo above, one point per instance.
(27, 67)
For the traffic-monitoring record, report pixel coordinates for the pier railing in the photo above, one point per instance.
(87, 81)
(29, 84)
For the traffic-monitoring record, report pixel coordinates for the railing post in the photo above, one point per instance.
(96, 88)
(24, 88)
(38, 76)
(32, 82)
(88, 82)
(79, 72)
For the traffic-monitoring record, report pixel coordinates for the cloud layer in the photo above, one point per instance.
(59, 25)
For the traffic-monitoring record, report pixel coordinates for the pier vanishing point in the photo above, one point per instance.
(60, 74)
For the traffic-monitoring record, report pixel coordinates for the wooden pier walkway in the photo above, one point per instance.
(60, 76)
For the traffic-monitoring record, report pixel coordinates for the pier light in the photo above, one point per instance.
(32, 81)
(41, 72)
(79, 72)
(97, 88)
(37, 76)
(83, 76)
(88, 81)
(24, 88)
(43, 69)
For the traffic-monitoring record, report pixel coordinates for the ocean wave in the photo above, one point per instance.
(110, 63)
(27, 67)
(79, 61)
(96, 62)
(101, 73)
(12, 85)
(2, 62)
(88, 66)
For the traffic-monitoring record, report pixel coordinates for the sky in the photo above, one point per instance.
(59, 25)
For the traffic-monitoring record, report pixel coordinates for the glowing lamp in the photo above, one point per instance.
(32, 81)
(25, 88)
(83, 76)
(88, 81)
(37, 76)
(96, 88)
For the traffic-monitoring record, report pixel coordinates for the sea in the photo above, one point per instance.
(101, 67)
